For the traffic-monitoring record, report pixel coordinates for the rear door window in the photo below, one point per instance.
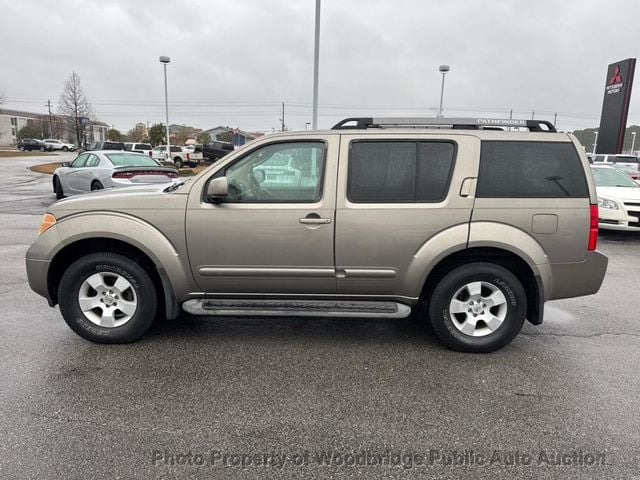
(511, 169)
(395, 172)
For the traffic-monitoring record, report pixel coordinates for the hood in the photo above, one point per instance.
(620, 193)
(125, 200)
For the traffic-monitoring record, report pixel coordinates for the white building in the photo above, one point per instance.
(11, 121)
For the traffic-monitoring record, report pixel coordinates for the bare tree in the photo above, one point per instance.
(74, 106)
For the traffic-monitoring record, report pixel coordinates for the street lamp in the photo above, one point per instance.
(633, 141)
(164, 60)
(595, 143)
(443, 69)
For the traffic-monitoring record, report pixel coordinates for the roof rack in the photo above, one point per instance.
(360, 123)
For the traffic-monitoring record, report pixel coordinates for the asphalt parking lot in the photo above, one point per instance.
(313, 398)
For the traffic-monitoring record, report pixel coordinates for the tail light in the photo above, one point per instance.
(188, 156)
(126, 175)
(150, 153)
(593, 228)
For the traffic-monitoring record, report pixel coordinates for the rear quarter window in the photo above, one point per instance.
(530, 170)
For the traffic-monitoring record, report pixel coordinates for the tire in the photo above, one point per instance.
(42, 149)
(57, 188)
(193, 164)
(116, 278)
(461, 301)
(96, 185)
(177, 162)
(65, 149)
(21, 149)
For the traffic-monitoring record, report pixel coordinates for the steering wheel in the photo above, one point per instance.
(259, 191)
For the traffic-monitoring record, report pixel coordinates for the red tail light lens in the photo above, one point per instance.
(125, 175)
(188, 156)
(593, 228)
(150, 153)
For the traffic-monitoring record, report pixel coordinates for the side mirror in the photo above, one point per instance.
(65, 164)
(218, 189)
(259, 175)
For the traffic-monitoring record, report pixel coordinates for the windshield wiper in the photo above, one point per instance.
(174, 187)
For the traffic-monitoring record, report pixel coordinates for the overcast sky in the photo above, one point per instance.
(234, 61)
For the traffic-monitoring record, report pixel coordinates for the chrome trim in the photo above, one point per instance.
(319, 272)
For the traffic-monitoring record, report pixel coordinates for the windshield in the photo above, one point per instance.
(609, 177)
(131, 160)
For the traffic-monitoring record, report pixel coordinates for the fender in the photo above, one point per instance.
(516, 241)
(174, 268)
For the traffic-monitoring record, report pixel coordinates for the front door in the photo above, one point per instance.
(274, 231)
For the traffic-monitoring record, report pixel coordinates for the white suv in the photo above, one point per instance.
(630, 160)
(55, 144)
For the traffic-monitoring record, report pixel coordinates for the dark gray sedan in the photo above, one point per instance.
(108, 169)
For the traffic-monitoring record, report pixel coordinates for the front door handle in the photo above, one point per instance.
(314, 219)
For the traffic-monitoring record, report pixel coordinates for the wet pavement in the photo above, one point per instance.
(312, 398)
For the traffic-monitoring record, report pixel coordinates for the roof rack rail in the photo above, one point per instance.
(360, 123)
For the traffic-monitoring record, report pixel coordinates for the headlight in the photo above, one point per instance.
(606, 203)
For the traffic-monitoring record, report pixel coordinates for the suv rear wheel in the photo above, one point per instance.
(177, 162)
(107, 298)
(478, 307)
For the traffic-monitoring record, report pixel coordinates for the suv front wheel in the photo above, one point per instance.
(107, 298)
(478, 307)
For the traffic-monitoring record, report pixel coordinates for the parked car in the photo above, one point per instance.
(179, 156)
(106, 145)
(144, 148)
(212, 151)
(474, 229)
(629, 170)
(96, 170)
(55, 144)
(31, 144)
(195, 154)
(621, 159)
(159, 153)
(618, 199)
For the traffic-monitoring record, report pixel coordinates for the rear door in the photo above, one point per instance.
(395, 194)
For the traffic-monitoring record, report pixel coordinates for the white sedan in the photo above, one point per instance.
(618, 199)
(96, 170)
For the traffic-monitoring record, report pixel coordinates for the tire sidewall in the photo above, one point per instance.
(140, 280)
(497, 276)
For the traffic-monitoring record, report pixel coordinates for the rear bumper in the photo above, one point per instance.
(579, 278)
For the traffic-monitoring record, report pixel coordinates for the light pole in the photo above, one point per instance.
(164, 60)
(633, 141)
(595, 143)
(316, 57)
(443, 69)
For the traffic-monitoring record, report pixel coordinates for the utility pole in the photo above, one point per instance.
(510, 114)
(50, 118)
(282, 119)
(555, 119)
(533, 114)
(316, 58)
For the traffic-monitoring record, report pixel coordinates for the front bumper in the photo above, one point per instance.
(609, 219)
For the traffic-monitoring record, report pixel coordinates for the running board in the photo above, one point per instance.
(297, 308)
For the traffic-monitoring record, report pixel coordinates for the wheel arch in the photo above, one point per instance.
(531, 281)
(83, 234)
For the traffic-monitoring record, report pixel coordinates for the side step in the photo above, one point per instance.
(297, 308)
